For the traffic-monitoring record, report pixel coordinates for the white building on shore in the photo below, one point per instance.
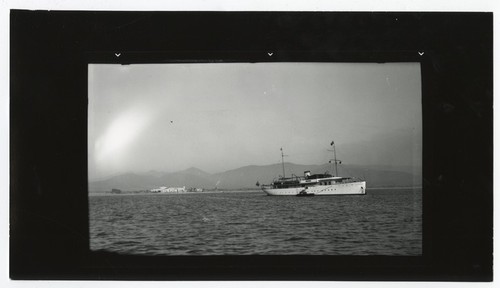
(159, 190)
(165, 189)
(176, 189)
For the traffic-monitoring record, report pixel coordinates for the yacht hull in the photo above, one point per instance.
(352, 188)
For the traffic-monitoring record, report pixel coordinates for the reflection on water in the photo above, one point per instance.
(383, 222)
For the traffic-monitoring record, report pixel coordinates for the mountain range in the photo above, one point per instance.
(248, 176)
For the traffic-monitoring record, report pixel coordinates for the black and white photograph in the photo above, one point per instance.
(214, 145)
(221, 158)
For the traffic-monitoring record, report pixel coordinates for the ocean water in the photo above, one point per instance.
(382, 222)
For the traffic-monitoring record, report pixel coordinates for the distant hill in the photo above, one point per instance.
(126, 182)
(247, 176)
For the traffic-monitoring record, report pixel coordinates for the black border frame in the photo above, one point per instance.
(48, 141)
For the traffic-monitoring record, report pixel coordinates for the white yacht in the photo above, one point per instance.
(315, 184)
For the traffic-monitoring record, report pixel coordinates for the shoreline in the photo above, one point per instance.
(170, 193)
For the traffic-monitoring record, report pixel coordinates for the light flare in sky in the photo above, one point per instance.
(112, 145)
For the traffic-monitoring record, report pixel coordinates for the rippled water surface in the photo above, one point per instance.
(383, 222)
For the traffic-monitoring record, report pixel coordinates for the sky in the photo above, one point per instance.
(222, 116)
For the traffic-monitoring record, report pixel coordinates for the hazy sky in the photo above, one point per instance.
(217, 117)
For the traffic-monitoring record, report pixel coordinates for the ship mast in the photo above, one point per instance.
(283, 161)
(334, 158)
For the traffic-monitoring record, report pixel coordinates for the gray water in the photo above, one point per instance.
(383, 222)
